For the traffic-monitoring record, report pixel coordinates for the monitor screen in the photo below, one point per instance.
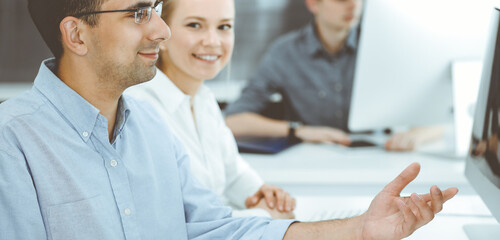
(403, 69)
(483, 161)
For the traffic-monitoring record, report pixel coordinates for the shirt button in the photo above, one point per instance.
(127, 211)
(85, 134)
(322, 94)
(113, 163)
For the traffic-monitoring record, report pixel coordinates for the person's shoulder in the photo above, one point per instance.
(22, 106)
(17, 114)
(290, 40)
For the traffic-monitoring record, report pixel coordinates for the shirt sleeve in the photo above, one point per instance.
(241, 180)
(207, 218)
(255, 97)
(20, 216)
(253, 212)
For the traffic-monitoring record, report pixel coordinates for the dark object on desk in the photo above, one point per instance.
(362, 143)
(263, 145)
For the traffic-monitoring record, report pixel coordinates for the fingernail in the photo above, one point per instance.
(271, 204)
(437, 190)
(280, 208)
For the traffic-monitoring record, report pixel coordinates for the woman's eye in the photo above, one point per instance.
(194, 25)
(225, 27)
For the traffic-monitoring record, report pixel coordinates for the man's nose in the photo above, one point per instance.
(160, 29)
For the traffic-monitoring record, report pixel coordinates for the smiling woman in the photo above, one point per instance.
(201, 45)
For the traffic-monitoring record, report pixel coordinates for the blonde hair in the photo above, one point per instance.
(168, 8)
(166, 13)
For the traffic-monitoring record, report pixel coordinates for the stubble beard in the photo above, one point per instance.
(119, 76)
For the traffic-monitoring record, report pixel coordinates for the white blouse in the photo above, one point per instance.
(210, 144)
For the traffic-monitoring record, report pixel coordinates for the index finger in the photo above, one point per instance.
(404, 178)
(270, 199)
(447, 194)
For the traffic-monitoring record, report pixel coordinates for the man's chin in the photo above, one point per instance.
(152, 73)
(146, 76)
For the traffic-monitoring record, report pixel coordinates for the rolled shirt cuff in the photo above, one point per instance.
(277, 229)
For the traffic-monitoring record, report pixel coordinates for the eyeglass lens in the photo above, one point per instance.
(143, 15)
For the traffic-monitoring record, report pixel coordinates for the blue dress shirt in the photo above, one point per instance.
(61, 178)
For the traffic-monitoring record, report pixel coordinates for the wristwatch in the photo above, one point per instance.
(292, 129)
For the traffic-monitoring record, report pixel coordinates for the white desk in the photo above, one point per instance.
(316, 164)
(332, 177)
(461, 210)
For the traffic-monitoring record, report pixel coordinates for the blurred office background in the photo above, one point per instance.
(21, 46)
(258, 22)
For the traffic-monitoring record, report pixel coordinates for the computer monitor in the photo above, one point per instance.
(403, 69)
(483, 162)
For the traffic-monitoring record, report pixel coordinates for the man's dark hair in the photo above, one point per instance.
(48, 14)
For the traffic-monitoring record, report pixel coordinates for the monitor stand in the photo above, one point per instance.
(482, 231)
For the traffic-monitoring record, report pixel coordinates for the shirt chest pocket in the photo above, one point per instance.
(91, 218)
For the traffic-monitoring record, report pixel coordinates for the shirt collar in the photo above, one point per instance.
(82, 115)
(122, 115)
(171, 96)
(315, 46)
(352, 39)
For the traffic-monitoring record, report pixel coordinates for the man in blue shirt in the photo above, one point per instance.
(80, 161)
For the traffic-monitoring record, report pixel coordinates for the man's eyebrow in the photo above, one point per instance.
(140, 5)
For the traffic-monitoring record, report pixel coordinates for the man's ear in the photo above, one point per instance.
(312, 5)
(71, 33)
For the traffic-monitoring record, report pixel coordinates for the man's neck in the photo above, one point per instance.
(333, 39)
(87, 84)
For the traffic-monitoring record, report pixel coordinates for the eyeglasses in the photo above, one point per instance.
(142, 15)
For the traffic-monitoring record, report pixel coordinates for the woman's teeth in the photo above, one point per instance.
(207, 57)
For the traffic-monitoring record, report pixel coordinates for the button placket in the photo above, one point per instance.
(120, 186)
